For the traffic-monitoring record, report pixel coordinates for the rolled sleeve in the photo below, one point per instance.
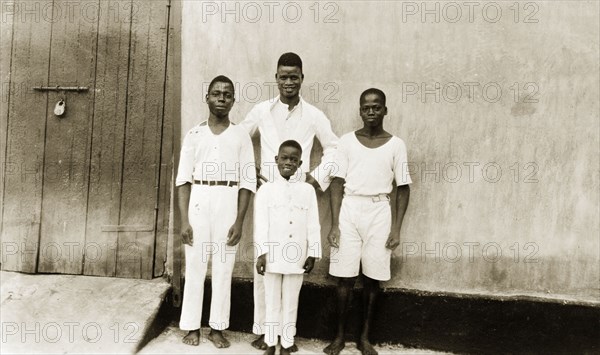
(401, 171)
(185, 169)
(323, 173)
(341, 162)
(250, 122)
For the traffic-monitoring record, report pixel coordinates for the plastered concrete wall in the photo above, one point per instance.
(496, 101)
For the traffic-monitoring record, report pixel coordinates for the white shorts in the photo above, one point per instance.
(365, 225)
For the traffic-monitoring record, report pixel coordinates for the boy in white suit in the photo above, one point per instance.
(288, 237)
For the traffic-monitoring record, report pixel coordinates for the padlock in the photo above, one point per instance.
(60, 107)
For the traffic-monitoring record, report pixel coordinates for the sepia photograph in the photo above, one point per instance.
(300, 177)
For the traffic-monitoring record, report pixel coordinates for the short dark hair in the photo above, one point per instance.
(291, 143)
(290, 60)
(373, 91)
(221, 79)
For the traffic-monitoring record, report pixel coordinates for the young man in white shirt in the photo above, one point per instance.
(286, 117)
(362, 233)
(215, 179)
(288, 236)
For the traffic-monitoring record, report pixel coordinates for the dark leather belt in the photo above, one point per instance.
(216, 183)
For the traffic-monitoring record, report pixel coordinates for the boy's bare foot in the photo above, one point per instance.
(335, 347)
(259, 343)
(293, 348)
(284, 351)
(217, 338)
(270, 350)
(365, 347)
(192, 337)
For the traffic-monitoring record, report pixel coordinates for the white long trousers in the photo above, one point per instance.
(281, 299)
(212, 211)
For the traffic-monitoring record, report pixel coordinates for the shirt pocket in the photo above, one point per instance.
(299, 214)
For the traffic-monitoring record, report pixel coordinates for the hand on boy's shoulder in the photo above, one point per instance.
(313, 182)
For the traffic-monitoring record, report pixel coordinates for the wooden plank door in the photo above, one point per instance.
(87, 187)
(68, 137)
(25, 136)
(143, 134)
(127, 145)
(6, 27)
(106, 172)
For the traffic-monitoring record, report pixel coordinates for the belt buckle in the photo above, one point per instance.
(380, 198)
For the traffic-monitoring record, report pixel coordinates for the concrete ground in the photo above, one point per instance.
(169, 342)
(72, 314)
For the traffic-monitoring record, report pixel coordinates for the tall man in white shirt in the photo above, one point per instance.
(288, 235)
(215, 179)
(362, 232)
(288, 116)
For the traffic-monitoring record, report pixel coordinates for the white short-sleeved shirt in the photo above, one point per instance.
(228, 156)
(370, 171)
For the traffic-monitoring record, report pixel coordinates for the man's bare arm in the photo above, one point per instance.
(402, 197)
(315, 184)
(260, 179)
(183, 196)
(337, 194)
(235, 232)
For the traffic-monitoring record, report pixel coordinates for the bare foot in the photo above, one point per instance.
(365, 347)
(192, 337)
(335, 347)
(270, 350)
(284, 351)
(293, 348)
(217, 338)
(259, 343)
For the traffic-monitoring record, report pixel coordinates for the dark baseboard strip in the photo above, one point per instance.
(445, 322)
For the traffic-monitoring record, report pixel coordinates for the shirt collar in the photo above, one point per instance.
(278, 179)
(277, 100)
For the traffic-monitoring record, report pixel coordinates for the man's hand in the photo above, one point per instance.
(261, 264)
(235, 234)
(187, 233)
(392, 242)
(334, 236)
(309, 264)
(315, 184)
(260, 178)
